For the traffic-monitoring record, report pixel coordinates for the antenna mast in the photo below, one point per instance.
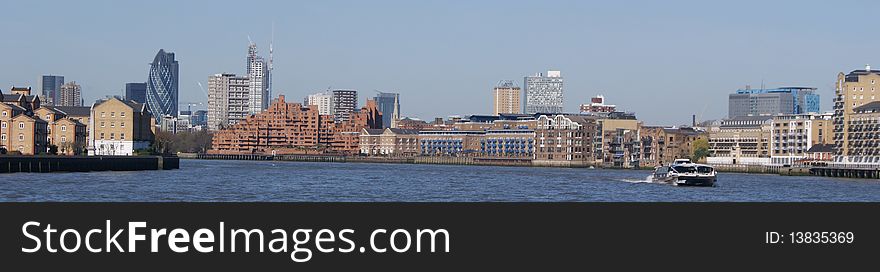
(271, 66)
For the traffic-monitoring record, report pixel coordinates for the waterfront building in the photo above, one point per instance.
(389, 105)
(617, 142)
(853, 90)
(794, 134)
(119, 127)
(291, 128)
(389, 142)
(22, 97)
(20, 132)
(863, 134)
(228, 100)
(70, 96)
(344, 103)
(51, 88)
(662, 145)
(162, 85)
(506, 98)
(565, 138)
(511, 143)
(66, 134)
(136, 91)
(821, 153)
(324, 102)
(258, 76)
(742, 140)
(456, 143)
(544, 93)
(597, 105)
(785, 100)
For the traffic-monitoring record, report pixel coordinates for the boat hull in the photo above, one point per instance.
(695, 181)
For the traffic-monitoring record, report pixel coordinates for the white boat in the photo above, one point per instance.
(683, 172)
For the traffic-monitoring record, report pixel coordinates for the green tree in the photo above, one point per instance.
(701, 149)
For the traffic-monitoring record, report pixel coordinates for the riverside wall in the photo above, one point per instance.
(47, 164)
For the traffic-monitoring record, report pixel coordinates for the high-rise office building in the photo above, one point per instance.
(344, 103)
(257, 70)
(70, 95)
(544, 93)
(324, 101)
(785, 100)
(200, 118)
(136, 92)
(506, 98)
(162, 92)
(389, 105)
(854, 90)
(228, 100)
(51, 88)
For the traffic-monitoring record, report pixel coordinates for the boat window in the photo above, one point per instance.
(704, 169)
(684, 169)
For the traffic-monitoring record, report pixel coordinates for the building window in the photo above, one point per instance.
(3, 125)
(3, 137)
(112, 124)
(122, 114)
(112, 114)
(63, 128)
(102, 135)
(102, 124)
(4, 113)
(47, 117)
(122, 124)
(20, 125)
(102, 114)
(112, 136)
(122, 136)
(63, 139)
(20, 137)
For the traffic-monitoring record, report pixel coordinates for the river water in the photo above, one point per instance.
(203, 180)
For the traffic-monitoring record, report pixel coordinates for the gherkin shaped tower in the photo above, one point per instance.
(162, 86)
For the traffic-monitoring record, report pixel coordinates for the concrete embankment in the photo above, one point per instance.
(46, 164)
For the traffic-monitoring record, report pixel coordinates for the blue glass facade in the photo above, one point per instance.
(508, 143)
(162, 86)
(805, 98)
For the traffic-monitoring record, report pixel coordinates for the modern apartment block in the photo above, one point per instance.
(51, 88)
(389, 105)
(136, 91)
(506, 98)
(863, 134)
(853, 90)
(119, 127)
(544, 93)
(786, 100)
(345, 102)
(228, 100)
(741, 140)
(70, 96)
(162, 86)
(794, 134)
(258, 75)
(324, 102)
(597, 106)
(291, 128)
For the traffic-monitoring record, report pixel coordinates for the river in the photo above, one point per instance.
(216, 180)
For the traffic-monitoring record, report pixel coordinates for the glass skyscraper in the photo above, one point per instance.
(389, 105)
(52, 88)
(162, 86)
(785, 100)
(136, 92)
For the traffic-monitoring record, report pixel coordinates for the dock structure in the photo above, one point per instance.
(853, 172)
(47, 164)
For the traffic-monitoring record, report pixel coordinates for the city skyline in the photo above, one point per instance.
(635, 64)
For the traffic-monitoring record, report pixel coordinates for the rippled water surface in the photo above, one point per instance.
(200, 180)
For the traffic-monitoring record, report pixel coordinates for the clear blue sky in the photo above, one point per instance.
(665, 60)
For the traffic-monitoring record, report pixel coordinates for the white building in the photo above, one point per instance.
(544, 93)
(324, 101)
(228, 100)
(258, 74)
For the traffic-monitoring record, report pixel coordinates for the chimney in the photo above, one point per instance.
(693, 120)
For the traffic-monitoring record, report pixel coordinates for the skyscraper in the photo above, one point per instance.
(324, 101)
(228, 100)
(51, 88)
(258, 73)
(162, 86)
(544, 93)
(344, 103)
(136, 91)
(70, 95)
(389, 105)
(506, 98)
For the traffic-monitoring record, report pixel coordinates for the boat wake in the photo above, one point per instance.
(645, 180)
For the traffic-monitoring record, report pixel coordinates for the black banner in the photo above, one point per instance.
(438, 236)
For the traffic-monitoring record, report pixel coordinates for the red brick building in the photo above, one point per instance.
(291, 128)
